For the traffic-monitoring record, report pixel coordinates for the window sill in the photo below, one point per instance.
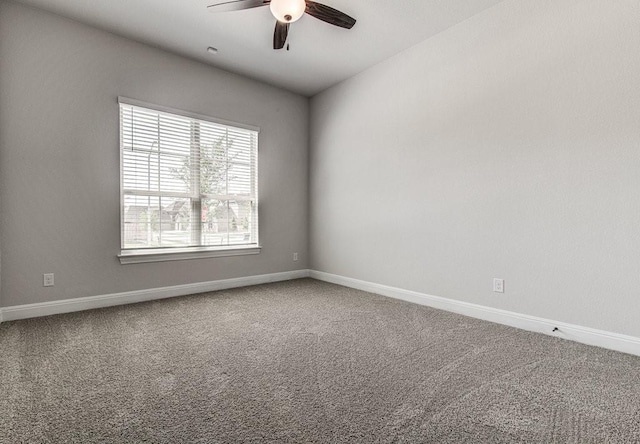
(181, 254)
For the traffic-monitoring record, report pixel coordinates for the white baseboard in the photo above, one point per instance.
(585, 335)
(86, 303)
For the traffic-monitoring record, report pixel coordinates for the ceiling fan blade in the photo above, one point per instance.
(329, 15)
(280, 35)
(236, 5)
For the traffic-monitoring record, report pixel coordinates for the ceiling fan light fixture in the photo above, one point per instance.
(287, 11)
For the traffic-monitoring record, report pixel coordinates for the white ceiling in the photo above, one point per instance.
(320, 54)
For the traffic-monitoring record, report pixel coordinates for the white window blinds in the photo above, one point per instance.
(186, 181)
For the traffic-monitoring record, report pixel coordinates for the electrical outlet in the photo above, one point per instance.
(47, 280)
(295, 257)
(498, 285)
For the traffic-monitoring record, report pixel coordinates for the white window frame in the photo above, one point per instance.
(133, 256)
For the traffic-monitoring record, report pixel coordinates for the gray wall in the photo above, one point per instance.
(508, 146)
(59, 160)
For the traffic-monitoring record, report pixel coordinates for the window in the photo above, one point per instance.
(188, 185)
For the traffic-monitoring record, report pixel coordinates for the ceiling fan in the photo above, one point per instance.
(287, 12)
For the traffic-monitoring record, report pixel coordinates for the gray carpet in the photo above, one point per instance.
(305, 361)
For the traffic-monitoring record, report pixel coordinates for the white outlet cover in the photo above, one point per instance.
(47, 280)
(498, 285)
